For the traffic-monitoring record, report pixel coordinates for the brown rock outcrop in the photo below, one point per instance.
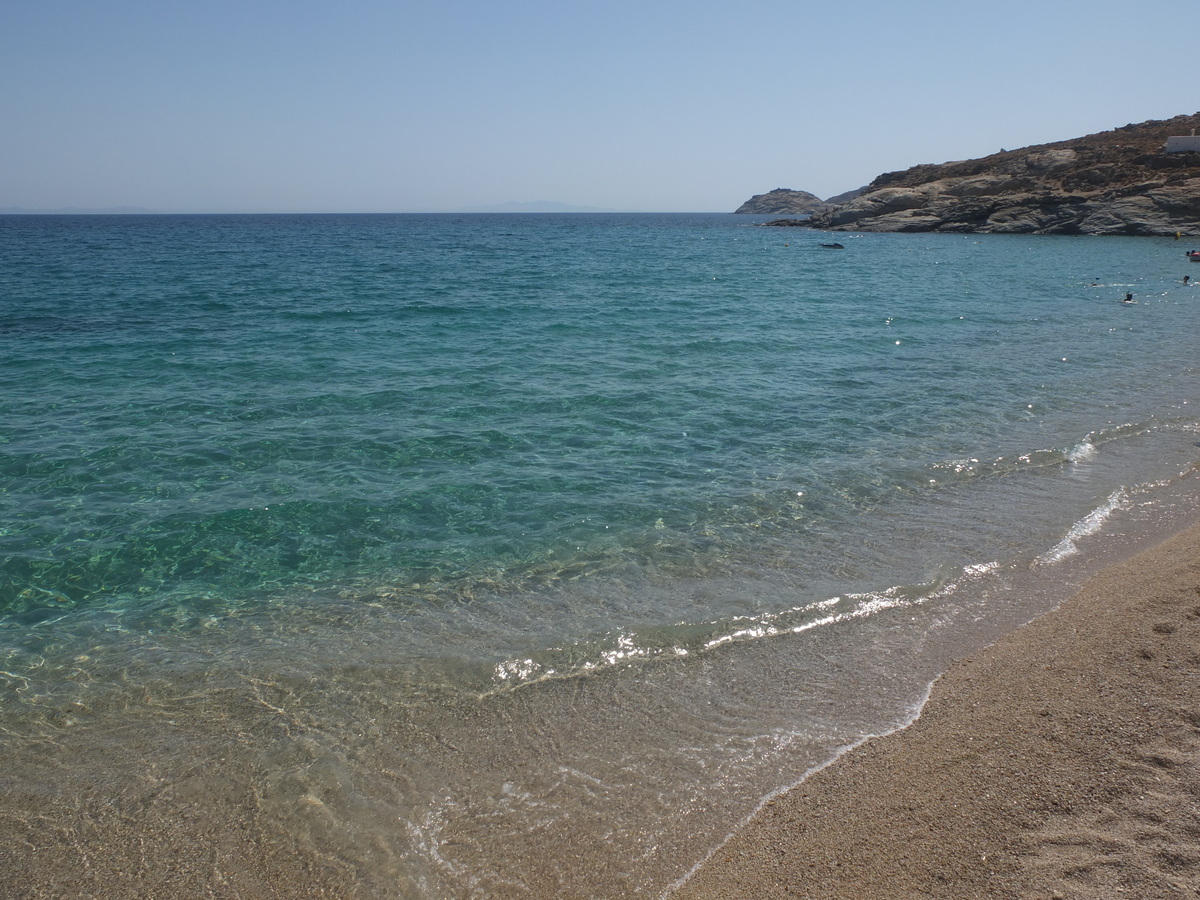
(1113, 182)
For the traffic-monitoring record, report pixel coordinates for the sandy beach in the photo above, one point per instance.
(1059, 763)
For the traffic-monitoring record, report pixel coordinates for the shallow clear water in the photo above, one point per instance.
(453, 541)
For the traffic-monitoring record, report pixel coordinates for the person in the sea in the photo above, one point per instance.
(1187, 278)
(1129, 297)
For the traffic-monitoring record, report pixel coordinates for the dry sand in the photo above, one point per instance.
(1059, 763)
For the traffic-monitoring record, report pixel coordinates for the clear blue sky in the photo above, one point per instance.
(659, 105)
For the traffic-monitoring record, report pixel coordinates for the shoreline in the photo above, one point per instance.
(1060, 762)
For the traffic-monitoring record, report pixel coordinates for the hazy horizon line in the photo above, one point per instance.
(504, 209)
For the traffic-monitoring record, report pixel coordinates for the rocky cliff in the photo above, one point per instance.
(1114, 182)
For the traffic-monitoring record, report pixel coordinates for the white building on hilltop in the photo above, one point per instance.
(1181, 144)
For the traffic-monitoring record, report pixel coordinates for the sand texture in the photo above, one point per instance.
(1059, 763)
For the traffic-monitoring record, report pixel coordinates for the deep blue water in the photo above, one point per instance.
(533, 446)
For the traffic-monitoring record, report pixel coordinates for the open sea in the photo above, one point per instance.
(488, 556)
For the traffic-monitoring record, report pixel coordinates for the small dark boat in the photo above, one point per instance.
(834, 246)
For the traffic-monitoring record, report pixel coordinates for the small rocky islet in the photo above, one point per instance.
(1122, 181)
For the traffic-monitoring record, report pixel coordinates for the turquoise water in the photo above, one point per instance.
(369, 471)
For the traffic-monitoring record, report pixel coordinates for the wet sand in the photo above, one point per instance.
(1062, 762)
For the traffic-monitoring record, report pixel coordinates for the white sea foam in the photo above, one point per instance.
(631, 647)
(1082, 452)
(1088, 525)
(981, 569)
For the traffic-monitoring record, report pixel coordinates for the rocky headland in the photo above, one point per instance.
(1114, 182)
(787, 202)
(782, 202)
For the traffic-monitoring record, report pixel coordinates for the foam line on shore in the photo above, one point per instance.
(770, 798)
(1062, 761)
